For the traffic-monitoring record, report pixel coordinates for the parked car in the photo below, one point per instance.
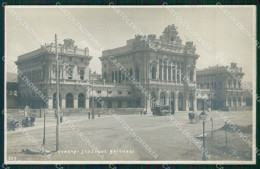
(11, 125)
(162, 110)
(28, 121)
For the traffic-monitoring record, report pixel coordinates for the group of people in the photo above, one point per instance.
(143, 112)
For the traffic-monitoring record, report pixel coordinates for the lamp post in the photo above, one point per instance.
(43, 141)
(57, 96)
(92, 107)
(203, 117)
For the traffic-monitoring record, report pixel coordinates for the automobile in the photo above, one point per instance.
(162, 110)
(28, 121)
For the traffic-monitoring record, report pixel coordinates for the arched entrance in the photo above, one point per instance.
(81, 100)
(162, 99)
(180, 102)
(69, 101)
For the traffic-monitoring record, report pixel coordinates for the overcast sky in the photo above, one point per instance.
(110, 30)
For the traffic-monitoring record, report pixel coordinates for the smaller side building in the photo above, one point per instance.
(222, 85)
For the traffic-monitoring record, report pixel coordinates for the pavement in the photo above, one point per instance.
(108, 135)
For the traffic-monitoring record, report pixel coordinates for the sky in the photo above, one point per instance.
(111, 31)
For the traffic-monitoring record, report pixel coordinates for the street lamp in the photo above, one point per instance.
(92, 107)
(203, 118)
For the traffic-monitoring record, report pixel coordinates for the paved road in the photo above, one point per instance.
(108, 135)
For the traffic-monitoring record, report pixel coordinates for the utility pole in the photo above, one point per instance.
(204, 146)
(57, 97)
(43, 129)
(92, 107)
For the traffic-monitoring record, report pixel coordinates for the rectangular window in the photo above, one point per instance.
(160, 72)
(128, 104)
(119, 104)
(109, 104)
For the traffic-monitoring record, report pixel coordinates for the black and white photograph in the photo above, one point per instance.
(115, 84)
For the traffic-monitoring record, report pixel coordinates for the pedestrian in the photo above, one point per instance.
(61, 117)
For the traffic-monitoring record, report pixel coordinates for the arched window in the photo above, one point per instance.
(137, 76)
(119, 76)
(229, 84)
(116, 76)
(239, 102)
(160, 72)
(169, 73)
(234, 102)
(165, 73)
(235, 84)
(191, 76)
(69, 72)
(54, 101)
(171, 101)
(162, 99)
(69, 100)
(81, 100)
(191, 102)
(229, 102)
(113, 76)
(81, 74)
(180, 101)
(119, 104)
(153, 72)
(131, 72)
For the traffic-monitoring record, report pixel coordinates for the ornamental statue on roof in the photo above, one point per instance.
(170, 35)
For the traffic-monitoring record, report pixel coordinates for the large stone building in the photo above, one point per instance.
(159, 65)
(223, 86)
(39, 67)
(163, 67)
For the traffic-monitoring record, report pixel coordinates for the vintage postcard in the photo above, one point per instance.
(130, 84)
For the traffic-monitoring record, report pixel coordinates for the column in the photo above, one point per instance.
(186, 102)
(63, 103)
(75, 104)
(180, 72)
(162, 72)
(226, 102)
(166, 72)
(176, 102)
(194, 74)
(169, 73)
(195, 103)
(167, 98)
(148, 102)
(157, 70)
(176, 69)
(49, 103)
(87, 102)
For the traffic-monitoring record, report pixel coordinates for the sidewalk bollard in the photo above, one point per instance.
(88, 115)
(99, 114)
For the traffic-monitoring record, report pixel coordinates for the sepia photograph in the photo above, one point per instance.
(118, 84)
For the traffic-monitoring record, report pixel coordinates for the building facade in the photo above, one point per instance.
(145, 72)
(158, 65)
(223, 86)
